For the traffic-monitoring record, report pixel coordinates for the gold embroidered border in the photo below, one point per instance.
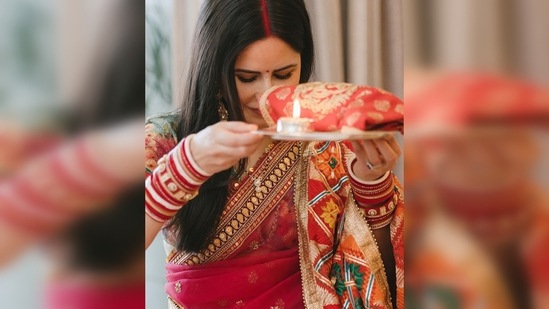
(246, 209)
(309, 289)
(366, 242)
(173, 305)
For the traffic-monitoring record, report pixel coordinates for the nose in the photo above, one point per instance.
(267, 83)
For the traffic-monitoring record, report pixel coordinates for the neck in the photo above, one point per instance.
(252, 159)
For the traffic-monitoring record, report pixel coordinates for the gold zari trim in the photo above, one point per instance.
(247, 208)
(173, 305)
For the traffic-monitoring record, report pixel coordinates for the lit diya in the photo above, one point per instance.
(294, 124)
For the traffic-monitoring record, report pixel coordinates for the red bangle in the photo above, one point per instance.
(180, 175)
(152, 209)
(381, 222)
(162, 191)
(378, 217)
(189, 162)
(368, 194)
(378, 222)
(179, 190)
(172, 184)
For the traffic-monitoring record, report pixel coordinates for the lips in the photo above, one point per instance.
(255, 110)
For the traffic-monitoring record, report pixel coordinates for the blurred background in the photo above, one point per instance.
(476, 115)
(68, 70)
(28, 97)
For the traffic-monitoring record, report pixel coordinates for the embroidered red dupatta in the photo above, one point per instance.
(340, 262)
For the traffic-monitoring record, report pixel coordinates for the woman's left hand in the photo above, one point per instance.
(375, 157)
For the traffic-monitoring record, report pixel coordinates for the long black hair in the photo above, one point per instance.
(224, 29)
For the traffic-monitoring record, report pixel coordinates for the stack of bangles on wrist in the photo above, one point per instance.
(375, 198)
(173, 183)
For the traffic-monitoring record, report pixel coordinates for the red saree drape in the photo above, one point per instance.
(252, 281)
(253, 261)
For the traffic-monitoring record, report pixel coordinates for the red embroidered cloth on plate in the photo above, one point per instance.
(333, 106)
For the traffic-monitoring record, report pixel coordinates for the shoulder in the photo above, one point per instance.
(160, 138)
(166, 124)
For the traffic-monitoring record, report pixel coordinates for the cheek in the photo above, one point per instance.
(294, 80)
(246, 92)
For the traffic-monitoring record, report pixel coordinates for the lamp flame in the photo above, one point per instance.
(297, 109)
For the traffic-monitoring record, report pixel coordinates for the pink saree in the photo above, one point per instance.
(253, 261)
(253, 281)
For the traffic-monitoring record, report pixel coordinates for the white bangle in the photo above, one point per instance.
(365, 182)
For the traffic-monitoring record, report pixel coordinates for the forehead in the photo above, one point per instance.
(267, 54)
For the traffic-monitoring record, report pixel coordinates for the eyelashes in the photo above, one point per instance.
(253, 79)
(246, 80)
(287, 76)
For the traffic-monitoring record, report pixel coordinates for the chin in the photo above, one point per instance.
(256, 119)
(260, 124)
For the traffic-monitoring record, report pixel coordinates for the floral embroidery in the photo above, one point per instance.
(282, 95)
(330, 213)
(382, 105)
(278, 305)
(252, 277)
(352, 119)
(156, 145)
(375, 116)
(323, 98)
(334, 105)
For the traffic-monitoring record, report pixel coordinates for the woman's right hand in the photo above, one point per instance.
(220, 146)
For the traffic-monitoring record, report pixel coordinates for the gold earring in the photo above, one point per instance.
(221, 109)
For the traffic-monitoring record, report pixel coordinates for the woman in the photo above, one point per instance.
(236, 202)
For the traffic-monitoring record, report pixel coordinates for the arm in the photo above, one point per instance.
(152, 227)
(174, 181)
(177, 176)
(374, 189)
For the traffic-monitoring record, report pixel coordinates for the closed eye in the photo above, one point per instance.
(246, 80)
(286, 76)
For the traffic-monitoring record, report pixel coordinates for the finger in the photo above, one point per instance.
(393, 143)
(237, 139)
(388, 154)
(237, 126)
(360, 152)
(373, 154)
(358, 149)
